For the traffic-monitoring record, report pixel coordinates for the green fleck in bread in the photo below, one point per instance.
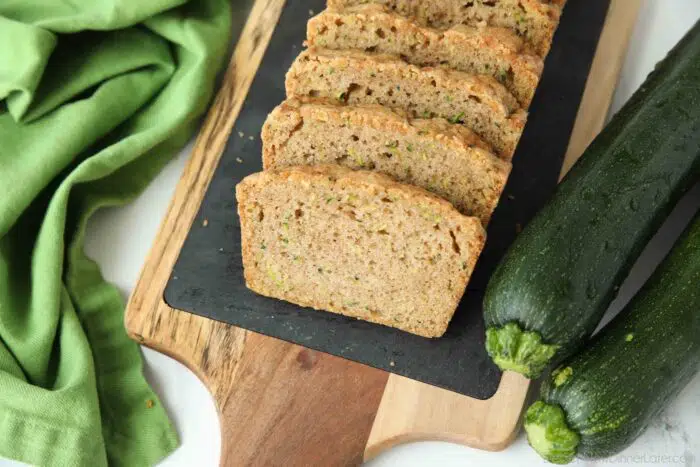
(479, 102)
(536, 20)
(492, 51)
(448, 160)
(356, 243)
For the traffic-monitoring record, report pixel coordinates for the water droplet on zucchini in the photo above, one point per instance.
(591, 290)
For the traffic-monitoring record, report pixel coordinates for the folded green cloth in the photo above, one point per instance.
(95, 97)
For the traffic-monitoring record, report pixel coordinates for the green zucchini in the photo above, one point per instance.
(597, 402)
(551, 289)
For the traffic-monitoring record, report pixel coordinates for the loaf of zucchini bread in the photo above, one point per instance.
(448, 160)
(535, 20)
(486, 50)
(479, 102)
(356, 243)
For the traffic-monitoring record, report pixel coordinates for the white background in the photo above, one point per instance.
(119, 240)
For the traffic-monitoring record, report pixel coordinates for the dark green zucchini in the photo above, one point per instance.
(597, 402)
(559, 276)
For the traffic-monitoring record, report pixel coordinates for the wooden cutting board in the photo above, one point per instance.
(283, 404)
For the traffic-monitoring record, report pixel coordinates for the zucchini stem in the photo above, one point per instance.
(513, 349)
(548, 433)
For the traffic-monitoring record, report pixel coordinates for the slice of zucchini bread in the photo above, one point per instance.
(356, 243)
(492, 51)
(536, 20)
(353, 77)
(448, 160)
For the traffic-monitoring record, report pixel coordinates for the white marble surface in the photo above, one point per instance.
(120, 238)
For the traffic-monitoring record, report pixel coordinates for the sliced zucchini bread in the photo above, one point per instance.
(492, 51)
(536, 20)
(479, 102)
(356, 243)
(448, 160)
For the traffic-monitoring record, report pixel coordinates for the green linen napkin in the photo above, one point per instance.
(95, 97)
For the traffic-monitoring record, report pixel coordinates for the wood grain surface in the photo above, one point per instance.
(282, 404)
(298, 407)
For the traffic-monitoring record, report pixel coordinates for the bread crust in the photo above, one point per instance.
(494, 51)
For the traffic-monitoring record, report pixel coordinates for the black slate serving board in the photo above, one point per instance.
(208, 277)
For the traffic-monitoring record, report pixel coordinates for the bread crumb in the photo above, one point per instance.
(205, 222)
(391, 363)
(511, 197)
(250, 138)
(239, 160)
(298, 193)
(311, 12)
(241, 134)
(381, 134)
(414, 94)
